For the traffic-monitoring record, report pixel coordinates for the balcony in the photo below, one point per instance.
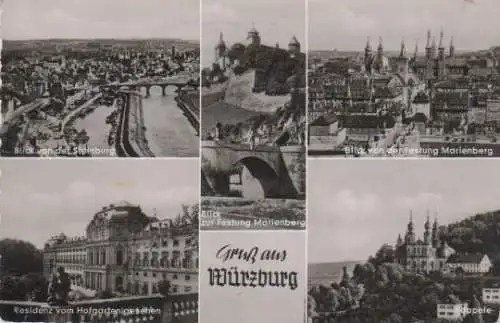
(153, 309)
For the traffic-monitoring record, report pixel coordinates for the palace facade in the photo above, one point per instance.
(126, 251)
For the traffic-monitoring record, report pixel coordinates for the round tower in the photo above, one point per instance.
(294, 46)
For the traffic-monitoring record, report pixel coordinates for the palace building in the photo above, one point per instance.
(126, 251)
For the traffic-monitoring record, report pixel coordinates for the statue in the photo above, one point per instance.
(59, 287)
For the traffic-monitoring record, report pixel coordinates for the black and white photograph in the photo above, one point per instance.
(99, 240)
(253, 113)
(404, 241)
(406, 79)
(100, 78)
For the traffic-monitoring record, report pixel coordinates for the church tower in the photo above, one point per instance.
(410, 234)
(294, 46)
(434, 49)
(428, 48)
(435, 234)
(427, 232)
(253, 37)
(220, 52)
(441, 56)
(452, 48)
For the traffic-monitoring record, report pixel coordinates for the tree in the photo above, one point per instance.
(20, 257)
(384, 254)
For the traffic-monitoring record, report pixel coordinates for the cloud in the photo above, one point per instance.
(217, 12)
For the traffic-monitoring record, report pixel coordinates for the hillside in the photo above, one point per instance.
(479, 233)
(391, 294)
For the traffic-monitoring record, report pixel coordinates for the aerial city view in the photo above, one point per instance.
(118, 83)
(101, 243)
(384, 252)
(428, 87)
(253, 113)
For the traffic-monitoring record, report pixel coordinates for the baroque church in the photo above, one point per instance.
(423, 255)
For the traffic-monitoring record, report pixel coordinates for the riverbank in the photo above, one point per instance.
(191, 108)
(129, 139)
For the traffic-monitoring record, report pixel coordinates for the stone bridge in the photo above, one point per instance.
(181, 308)
(265, 171)
(179, 82)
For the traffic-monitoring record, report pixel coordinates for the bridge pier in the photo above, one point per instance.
(163, 90)
(148, 91)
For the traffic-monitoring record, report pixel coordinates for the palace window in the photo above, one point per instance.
(154, 260)
(119, 257)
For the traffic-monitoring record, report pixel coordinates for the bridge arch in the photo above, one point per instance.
(258, 178)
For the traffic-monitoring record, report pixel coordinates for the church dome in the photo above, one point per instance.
(294, 41)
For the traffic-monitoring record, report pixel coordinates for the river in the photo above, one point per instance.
(96, 127)
(168, 131)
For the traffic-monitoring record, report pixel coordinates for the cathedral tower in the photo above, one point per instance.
(441, 56)
(452, 48)
(368, 55)
(428, 48)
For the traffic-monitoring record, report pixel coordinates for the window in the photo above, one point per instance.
(187, 277)
(176, 243)
(174, 276)
(145, 274)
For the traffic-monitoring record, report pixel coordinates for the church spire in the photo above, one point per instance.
(427, 227)
(415, 54)
(452, 47)
(441, 39)
(368, 45)
(428, 39)
(402, 53)
(380, 48)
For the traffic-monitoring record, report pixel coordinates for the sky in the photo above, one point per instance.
(35, 19)
(43, 197)
(346, 24)
(277, 21)
(354, 207)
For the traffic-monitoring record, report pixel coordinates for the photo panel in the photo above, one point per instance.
(405, 79)
(99, 240)
(254, 276)
(253, 115)
(404, 241)
(100, 78)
